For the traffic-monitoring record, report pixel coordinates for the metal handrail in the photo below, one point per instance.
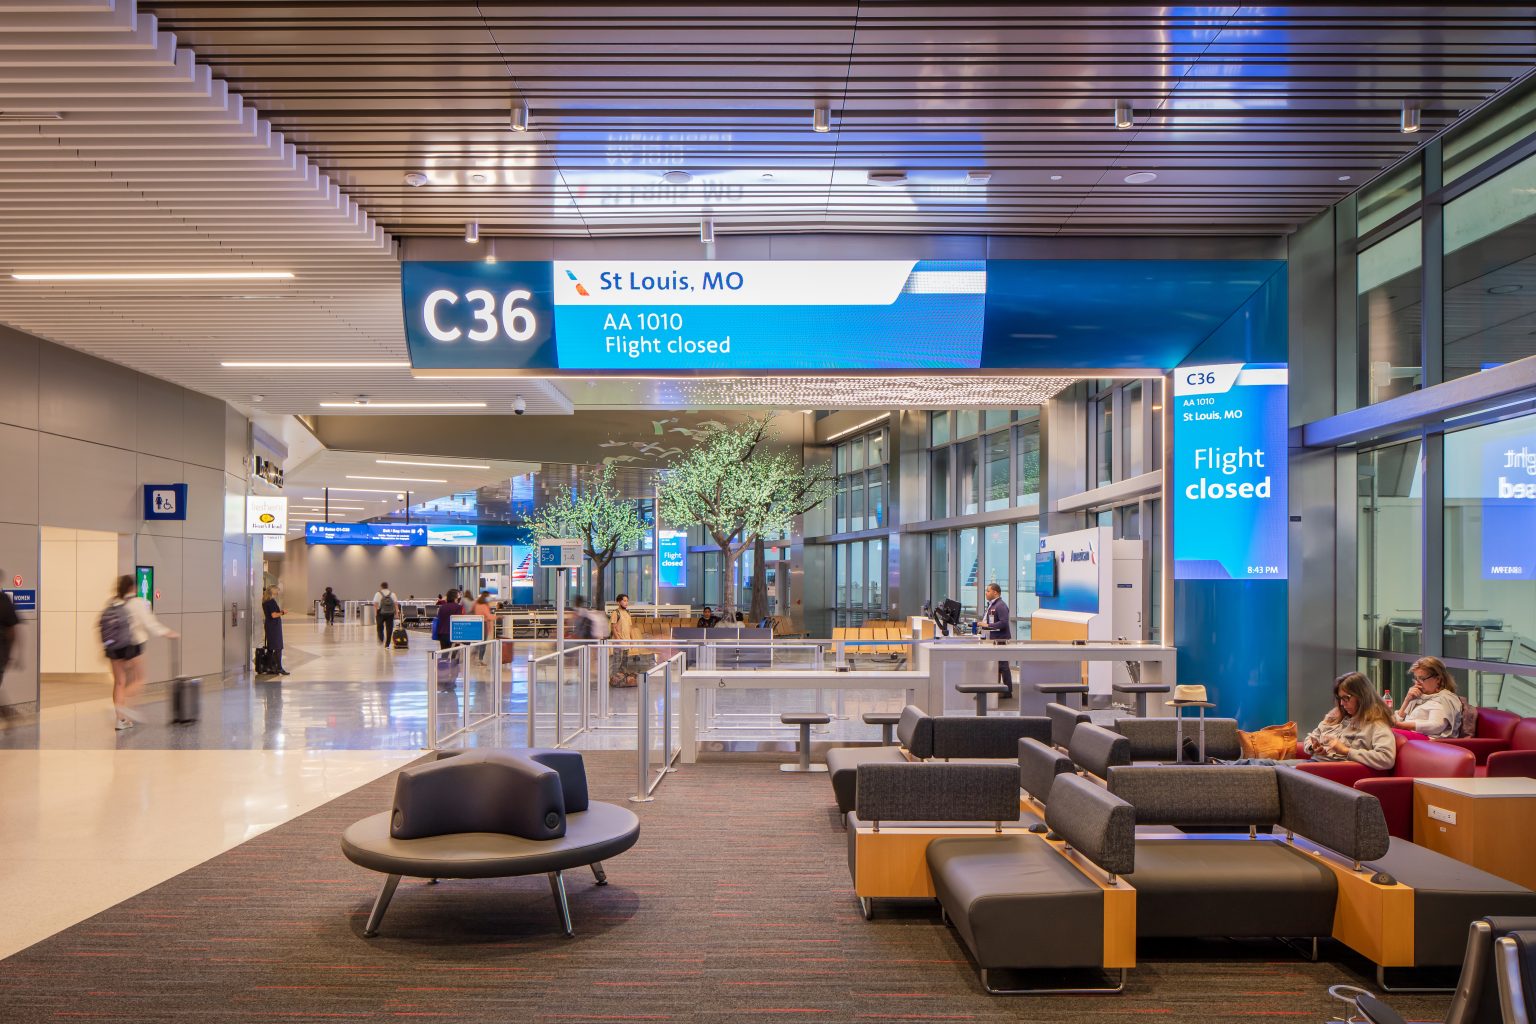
(645, 785)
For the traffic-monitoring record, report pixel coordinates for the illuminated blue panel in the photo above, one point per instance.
(674, 558)
(366, 533)
(452, 536)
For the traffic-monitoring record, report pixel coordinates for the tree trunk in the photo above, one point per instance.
(599, 595)
(728, 583)
(759, 610)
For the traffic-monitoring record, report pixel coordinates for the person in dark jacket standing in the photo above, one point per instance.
(330, 602)
(445, 611)
(272, 626)
(995, 623)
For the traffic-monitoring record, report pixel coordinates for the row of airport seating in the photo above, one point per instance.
(1111, 840)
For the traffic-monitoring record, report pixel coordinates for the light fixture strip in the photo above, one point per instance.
(278, 364)
(402, 405)
(434, 465)
(399, 479)
(858, 427)
(209, 275)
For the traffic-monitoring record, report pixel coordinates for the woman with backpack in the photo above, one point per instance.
(126, 624)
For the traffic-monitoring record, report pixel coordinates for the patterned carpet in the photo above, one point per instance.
(735, 906)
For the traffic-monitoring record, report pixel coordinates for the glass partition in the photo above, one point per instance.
(1390, 525)
(1490, 262)
(1389, 315)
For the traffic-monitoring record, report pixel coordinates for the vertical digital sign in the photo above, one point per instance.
(1509, 508)
(673, 558)
(1229, 472)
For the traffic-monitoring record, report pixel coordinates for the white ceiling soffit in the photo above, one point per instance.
(119, 152)
(357, 493)
(807, 392)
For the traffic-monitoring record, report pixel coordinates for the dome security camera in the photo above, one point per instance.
(519, 406)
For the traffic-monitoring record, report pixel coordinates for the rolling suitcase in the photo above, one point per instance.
(186, 692)
(400, 640)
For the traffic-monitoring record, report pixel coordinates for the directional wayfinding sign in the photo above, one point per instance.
(559, 554)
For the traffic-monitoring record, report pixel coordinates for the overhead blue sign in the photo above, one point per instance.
(366, 533)
(165, 502)
(452, 536)
(1229, 472)
(695, 314)
(1509, 508)
(673, 556)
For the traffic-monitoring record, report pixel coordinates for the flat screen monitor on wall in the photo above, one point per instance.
(1045, 574)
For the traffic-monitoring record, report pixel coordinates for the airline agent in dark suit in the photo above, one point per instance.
(995, 623)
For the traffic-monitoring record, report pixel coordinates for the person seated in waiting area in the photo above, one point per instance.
(1358, 728)
(707, 618)
(1431, 706)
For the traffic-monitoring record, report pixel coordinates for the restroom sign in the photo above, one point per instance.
(165, 502)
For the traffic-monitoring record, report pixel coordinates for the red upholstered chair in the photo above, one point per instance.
(1519, 761)
(1416, 759)
(1347, 773)
(1494, 729)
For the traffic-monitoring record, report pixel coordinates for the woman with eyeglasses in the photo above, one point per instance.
(1431, 706)
(1358, 728)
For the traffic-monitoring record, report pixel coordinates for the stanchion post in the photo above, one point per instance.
(431, 703)
(643, 744)
(666, 720)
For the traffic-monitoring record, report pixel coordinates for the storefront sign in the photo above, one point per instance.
(673, 556)
(695, 315)
(265, 513)
(165, 502)
(1229, 472)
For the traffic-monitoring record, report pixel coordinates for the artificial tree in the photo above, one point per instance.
(600, 517)
(737, 485)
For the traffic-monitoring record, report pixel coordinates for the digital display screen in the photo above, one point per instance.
(695, 314)
(1230, 517)
(1508, 498)
(1045, 574)
(674, 558)
(466, 629)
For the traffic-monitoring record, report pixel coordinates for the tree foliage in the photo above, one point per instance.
(600, 517)
(739, 487)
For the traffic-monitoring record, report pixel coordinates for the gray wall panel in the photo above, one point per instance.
(86, 398)
(200, 587)
(18, 355)
(18, 471)
(200, 652)
(203, 424)
(355, 571)
(87, 486)
(205, 503)
(159, 418)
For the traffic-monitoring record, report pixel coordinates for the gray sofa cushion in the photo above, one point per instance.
(1341, 818)
(997, 737)
(915, 732)
(935, 791)
(478, 791)
(599, 833)
(573, 774)
(1038, 767)
(1190, 888)
(1063, 720)
(843, 768)
(1097, 749)
(1447, 897)
(1155, 739)
(1235, 795)
(1095, 822)
(1018, 903)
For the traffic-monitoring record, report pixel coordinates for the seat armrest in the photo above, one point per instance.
(1396, 796)
(1507, 764)
(1345, 773)
(1481, 746)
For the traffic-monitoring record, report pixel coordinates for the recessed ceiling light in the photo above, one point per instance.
(821, 119)
(1345, 177)
(416, 179)
(1055, 177)
(402, 405)
(275, 364)
(677, 177)
(767, 175)
(888, 178)
(169, 275)
(707, 231)
(399, 479)
(1140, 177)
(478, 179)
(977, 177)
(1505, 289)
(434, 465)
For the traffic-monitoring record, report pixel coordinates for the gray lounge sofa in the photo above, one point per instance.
(491, 814)
(925, 737)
